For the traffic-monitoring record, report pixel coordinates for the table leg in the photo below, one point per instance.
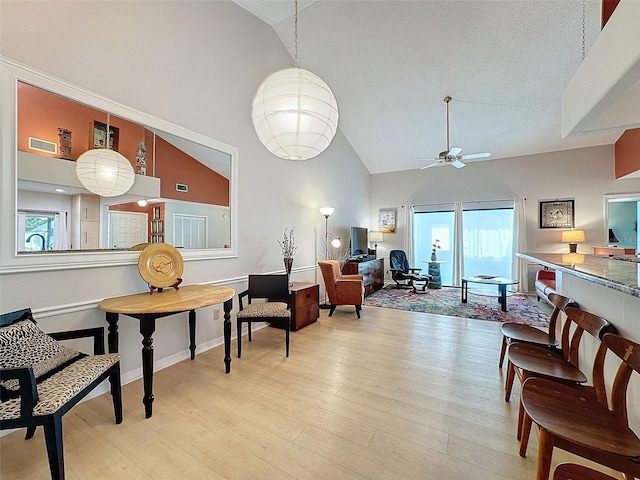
(503, 297)
(228, 305)
(192, 333)
(112, 337)
(465, 286)
(147, 327)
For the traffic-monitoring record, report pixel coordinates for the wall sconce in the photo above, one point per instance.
(573, 237)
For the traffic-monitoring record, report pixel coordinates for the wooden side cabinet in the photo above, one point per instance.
(303, 302)
(371, 270)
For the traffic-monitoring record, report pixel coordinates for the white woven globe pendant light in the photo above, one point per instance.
(105, 172)
(295, 114)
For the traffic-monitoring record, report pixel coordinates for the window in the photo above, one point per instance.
(36, 231)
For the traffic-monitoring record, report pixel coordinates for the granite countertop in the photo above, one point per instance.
(619, 272)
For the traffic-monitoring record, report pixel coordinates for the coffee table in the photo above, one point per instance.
(501, 282)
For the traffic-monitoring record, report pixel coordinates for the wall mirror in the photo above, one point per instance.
(184, 191)
(622, 213)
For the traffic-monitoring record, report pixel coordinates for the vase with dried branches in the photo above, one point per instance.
(288, 247)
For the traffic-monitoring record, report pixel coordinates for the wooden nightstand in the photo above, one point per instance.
(303, 302)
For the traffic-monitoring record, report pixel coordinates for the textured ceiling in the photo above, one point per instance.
(391, 63)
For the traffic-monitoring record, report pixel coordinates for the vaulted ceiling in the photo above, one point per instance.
(391, 63)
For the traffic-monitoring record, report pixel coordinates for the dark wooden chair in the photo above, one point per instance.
(521, 332)
(41, 379)
(275, 310)
(586, 420)
(572, 471)
(527, 360)
(404, 275)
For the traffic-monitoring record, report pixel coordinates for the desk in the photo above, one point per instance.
(147, 307)
(501, 282)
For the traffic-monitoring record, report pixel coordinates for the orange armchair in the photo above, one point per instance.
(342, 289)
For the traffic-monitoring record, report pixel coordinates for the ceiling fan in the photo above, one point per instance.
(452, 156)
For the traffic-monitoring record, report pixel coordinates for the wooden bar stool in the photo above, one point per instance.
(590, 422)
(521, 332)
(572, 471)
(526, 360)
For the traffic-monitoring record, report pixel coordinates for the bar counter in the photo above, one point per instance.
(618, 272)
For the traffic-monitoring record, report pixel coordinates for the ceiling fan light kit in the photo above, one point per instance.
(451, 156)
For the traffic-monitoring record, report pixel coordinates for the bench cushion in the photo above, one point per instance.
(60, 372)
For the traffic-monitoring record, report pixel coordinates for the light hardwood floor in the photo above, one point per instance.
(394, 395)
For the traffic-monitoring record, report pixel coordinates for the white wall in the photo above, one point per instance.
(585, 175)
(198, 65)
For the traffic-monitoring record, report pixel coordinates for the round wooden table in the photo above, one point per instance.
(147, 307)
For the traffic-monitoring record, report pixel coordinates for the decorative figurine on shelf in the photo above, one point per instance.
(141, 159)
(64, 136)
(288, 246)
(435, 246)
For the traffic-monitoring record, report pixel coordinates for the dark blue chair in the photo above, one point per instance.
(404, 275)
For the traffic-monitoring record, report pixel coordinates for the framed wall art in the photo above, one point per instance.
(100, 136)
(387, 220)
(557, 214)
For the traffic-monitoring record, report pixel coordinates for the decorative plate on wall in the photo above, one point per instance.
(160, 265)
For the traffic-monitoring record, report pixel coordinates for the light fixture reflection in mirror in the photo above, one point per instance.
(186, 185)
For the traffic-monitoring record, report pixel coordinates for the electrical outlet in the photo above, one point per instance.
(216, 314)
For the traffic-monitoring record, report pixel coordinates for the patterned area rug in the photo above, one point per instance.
(447, 301)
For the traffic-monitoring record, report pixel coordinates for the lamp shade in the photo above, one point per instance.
(105, 172)
(326, 211)
(295, 114)
(335, 243)
(375, 236)
(573, 236)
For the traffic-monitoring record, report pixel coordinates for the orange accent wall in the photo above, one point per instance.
(204, 185)
(40, 113)
(608, 6)
(627, 153)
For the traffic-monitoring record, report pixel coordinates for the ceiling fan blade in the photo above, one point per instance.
(454, 152)
(457, 163)
(475, 155)
(431, 165)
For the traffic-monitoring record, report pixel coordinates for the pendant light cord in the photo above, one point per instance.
(108, 137)
(583, 30)
(295, 33)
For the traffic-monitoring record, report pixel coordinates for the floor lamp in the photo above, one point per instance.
(327, 211)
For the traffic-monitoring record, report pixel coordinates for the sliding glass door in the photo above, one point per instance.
(487, 238)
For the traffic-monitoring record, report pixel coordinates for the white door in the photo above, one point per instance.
(127, 229)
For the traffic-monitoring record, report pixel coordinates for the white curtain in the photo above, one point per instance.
(61, 238)
(408, 240)
(458, 262)
(519, 266)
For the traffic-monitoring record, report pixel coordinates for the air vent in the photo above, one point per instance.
(181, 187)
(42, 145)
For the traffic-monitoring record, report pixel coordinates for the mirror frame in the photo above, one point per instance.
(10, 261)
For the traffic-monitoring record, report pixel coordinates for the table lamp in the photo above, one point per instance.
(375, 237)
(573, 237)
